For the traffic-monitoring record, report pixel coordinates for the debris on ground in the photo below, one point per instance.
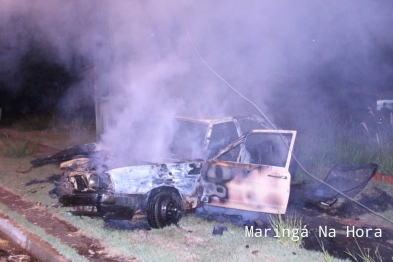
(19, 258)
(218, 230)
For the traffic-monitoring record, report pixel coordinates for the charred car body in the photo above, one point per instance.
(238, 162)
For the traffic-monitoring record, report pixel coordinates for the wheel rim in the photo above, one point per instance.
(169, 210)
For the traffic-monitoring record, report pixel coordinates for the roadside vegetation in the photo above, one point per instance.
(365, 255)
(12, 147)
(33, 122)
(288, 228)
(328, 142)
(326, 256)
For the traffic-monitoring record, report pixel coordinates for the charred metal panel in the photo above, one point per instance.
(86, 199)
(248, 187)
(142, 179)
(85, 150)
(106, 205)
(79, 164)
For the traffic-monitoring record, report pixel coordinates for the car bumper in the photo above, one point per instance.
(87, 199)
(104, 204)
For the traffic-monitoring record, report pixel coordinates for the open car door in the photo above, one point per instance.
(252, 173)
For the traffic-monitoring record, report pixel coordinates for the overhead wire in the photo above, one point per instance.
(268, 120)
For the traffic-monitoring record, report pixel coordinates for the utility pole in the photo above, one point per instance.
(103, 64)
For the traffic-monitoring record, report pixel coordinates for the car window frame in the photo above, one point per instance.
(242, 139)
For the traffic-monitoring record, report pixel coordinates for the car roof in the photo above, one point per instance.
(255, 118)
(205, 120)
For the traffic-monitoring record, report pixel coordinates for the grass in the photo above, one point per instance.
(365, 255)
(329, 143)
(386, 187)
(63, 249)
(33, 122)
(287, 228)
(12, 147)
(193, 241)
(75, 127)
(326, 255)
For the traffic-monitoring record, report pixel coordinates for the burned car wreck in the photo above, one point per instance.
(238, 163)
(241, 163)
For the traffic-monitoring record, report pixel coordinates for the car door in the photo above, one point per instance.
(251, 173)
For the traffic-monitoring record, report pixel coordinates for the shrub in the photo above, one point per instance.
(287, 228)
(327, 144)
(12, 147)
(33, 122)
(365, 255)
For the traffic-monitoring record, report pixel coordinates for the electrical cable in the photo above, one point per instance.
(268, 120)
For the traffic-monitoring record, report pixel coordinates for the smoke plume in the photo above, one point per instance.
(137, 57)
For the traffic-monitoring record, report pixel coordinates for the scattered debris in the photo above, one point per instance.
(260, 224)
(66, 154)
(24, 171)
(218, 230)
(19, 258)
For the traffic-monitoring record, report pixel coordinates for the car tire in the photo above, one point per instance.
(164, 209)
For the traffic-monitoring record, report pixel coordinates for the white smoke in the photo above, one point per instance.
(277, 53)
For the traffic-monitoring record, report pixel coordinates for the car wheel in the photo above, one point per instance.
(164, 209)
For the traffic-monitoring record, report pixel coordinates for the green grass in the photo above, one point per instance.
(75, 127)
(326, 255)
(12, 147)
(327, 144)
(287, 228)
(33, 122)
(365, 254)
(63, 249)
(60, 139)
(179, 244)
